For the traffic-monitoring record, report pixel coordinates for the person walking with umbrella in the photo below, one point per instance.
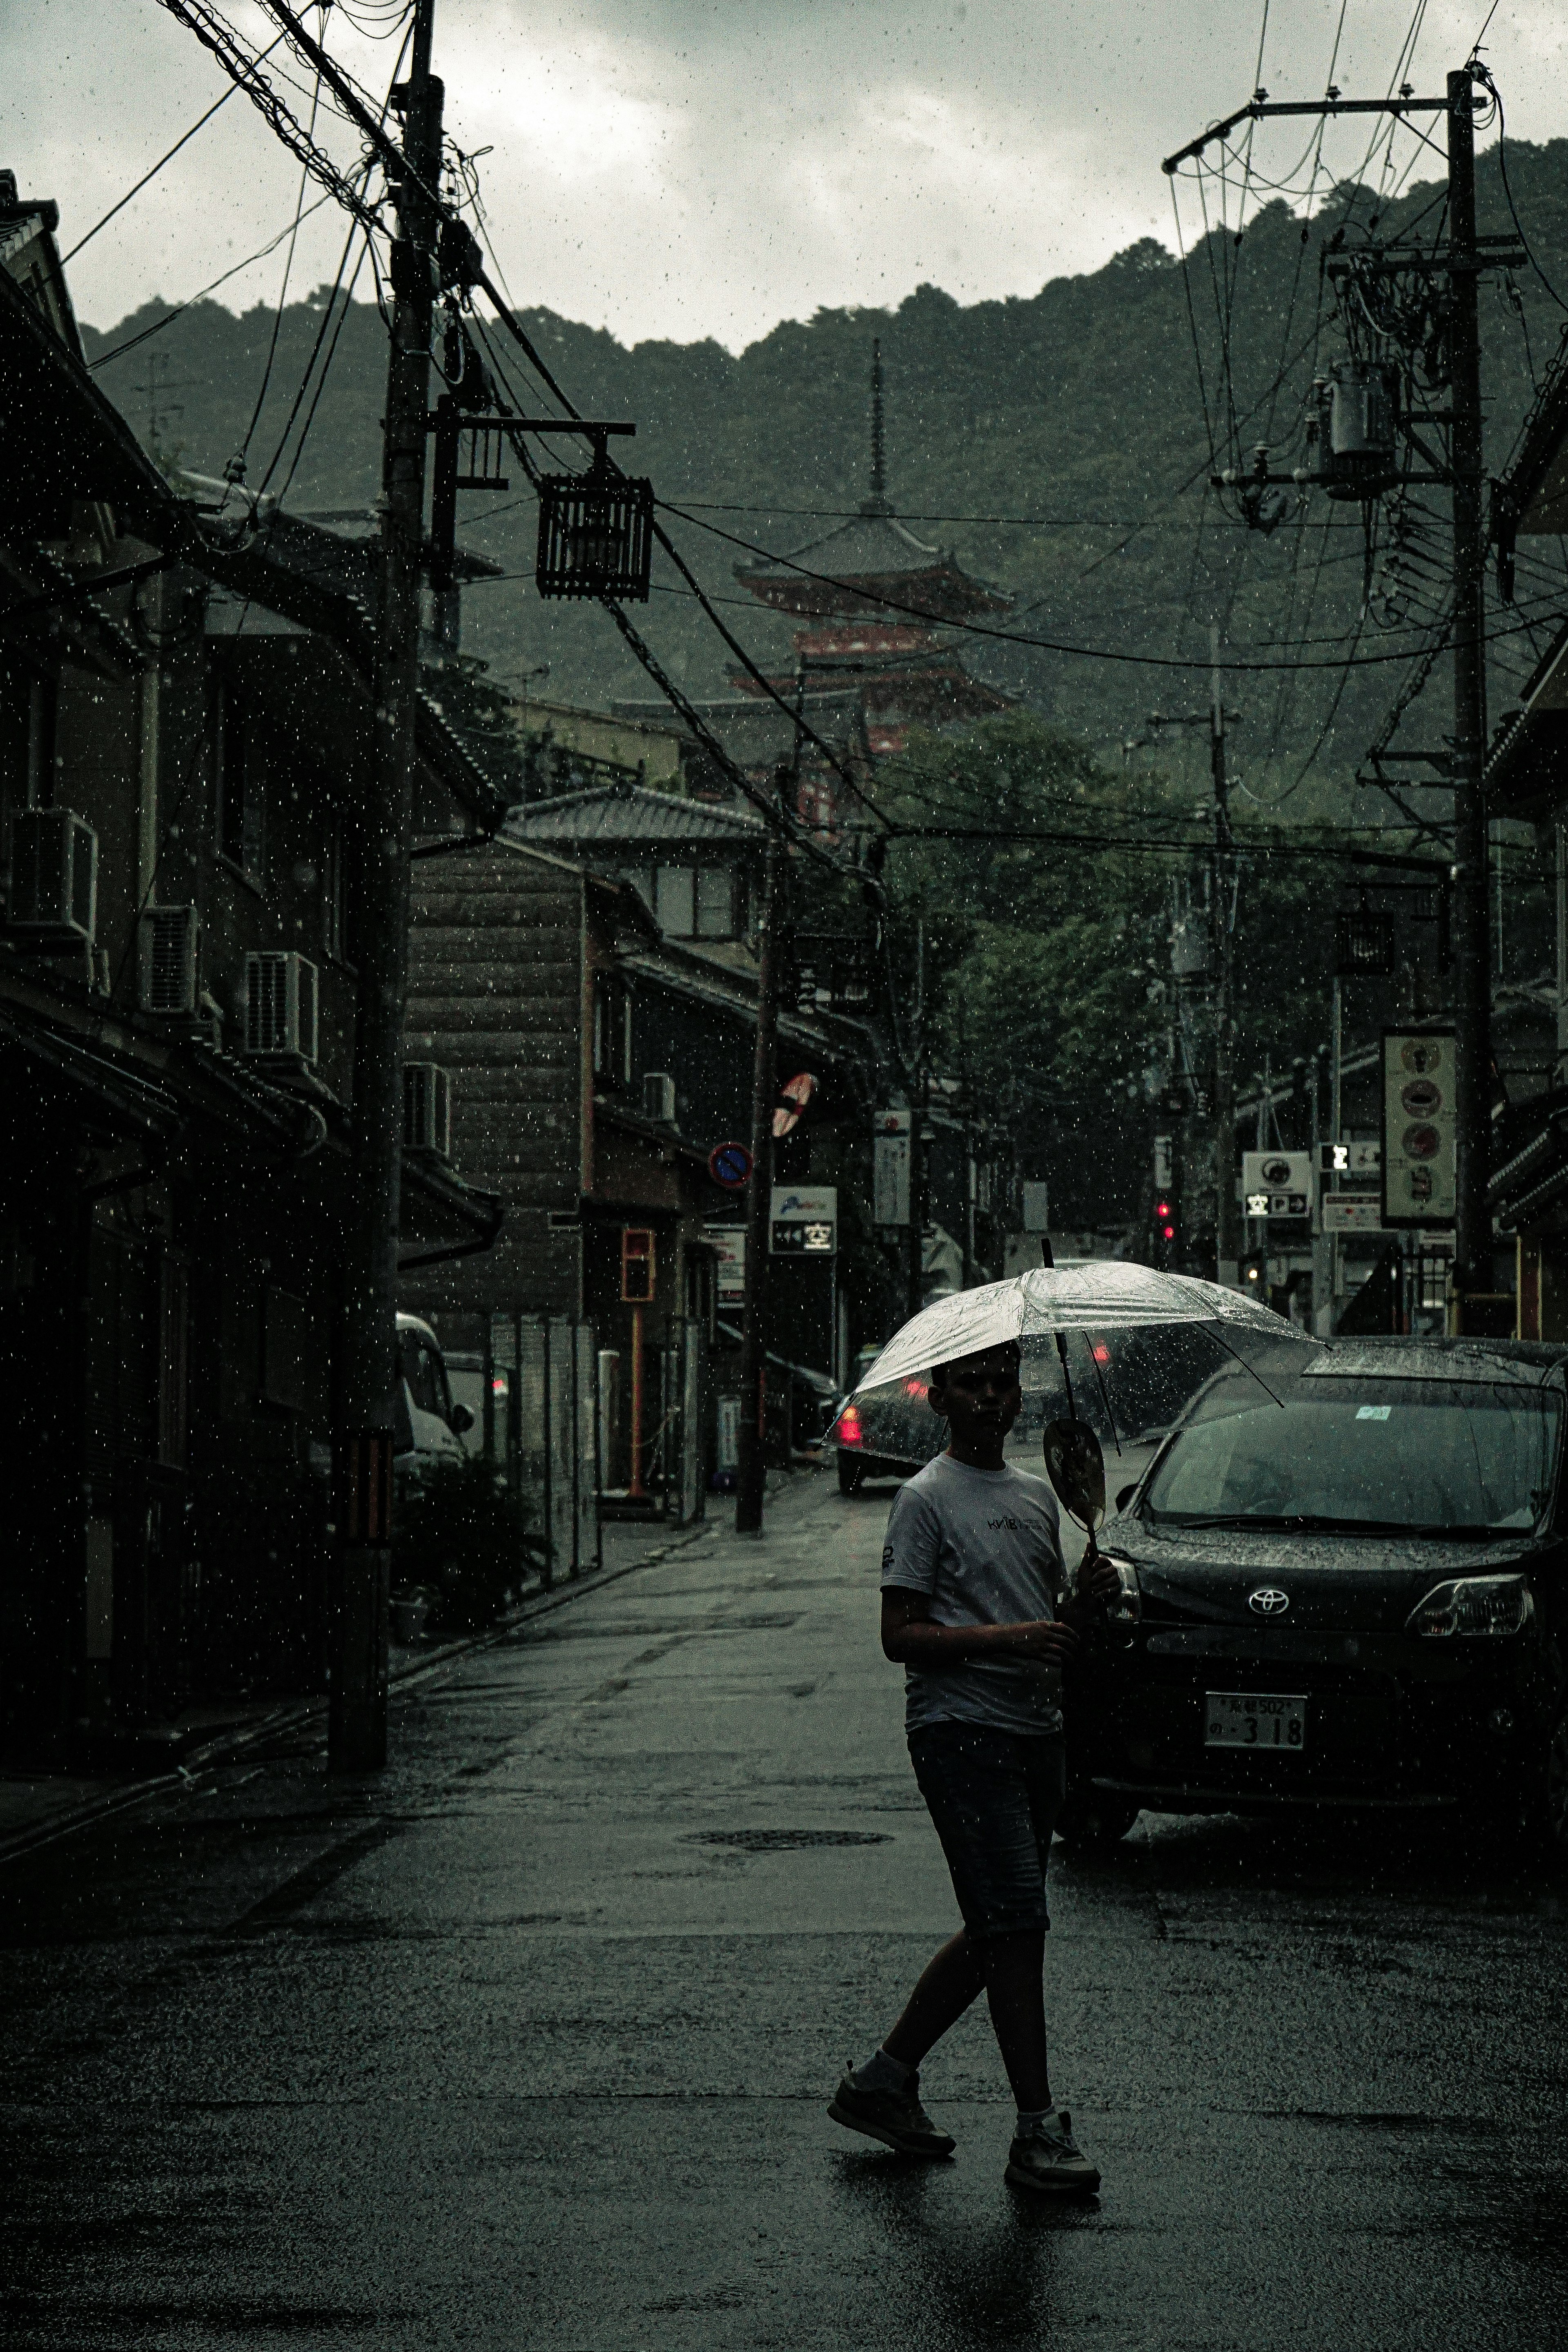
(976, 1608)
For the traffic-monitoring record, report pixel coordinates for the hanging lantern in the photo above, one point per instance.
(596, 533)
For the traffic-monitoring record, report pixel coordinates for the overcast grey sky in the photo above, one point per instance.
(706, 167)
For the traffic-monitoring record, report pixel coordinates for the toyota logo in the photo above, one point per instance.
(1269, 1600)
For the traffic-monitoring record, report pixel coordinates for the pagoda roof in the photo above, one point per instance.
(870, 561)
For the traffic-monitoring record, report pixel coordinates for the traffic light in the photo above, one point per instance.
(1167, 1223)
(1255, 1274)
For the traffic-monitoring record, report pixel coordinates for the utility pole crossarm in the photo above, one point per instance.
(1260, 108)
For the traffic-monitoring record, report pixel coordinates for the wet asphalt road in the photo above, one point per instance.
(527, 2043)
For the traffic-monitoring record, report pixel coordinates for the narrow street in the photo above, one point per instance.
(527, 2043)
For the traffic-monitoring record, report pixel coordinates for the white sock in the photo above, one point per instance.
(882, 2073)
(1032, 2119)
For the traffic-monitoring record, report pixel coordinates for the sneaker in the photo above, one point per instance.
(895, 2118)
(1051, 2160)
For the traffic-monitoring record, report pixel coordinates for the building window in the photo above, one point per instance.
(237, 785)
(674, 901)
(612, 1032)
(716, 903)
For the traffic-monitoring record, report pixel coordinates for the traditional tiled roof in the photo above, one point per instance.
(614, 817)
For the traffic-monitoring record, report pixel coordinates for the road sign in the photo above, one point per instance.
(1349, 1161)
(1277, 1184)
(1420, 1128)
(805, 1221)
(890, 1167)
(728, 1244)
(1036, 1209)
(729, 1164)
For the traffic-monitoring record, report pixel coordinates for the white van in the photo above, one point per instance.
(428, 1426)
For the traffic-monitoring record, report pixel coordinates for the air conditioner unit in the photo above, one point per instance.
(169, 939)
(280, 1005)
(658, 1097)
(426, 1108)
(54, 876)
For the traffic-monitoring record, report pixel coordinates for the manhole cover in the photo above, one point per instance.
(782, 1841)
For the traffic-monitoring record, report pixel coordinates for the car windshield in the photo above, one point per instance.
(423, 1371)
(1433, 1455)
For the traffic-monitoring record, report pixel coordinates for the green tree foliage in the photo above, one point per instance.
(1047, 962)
(1077, 411)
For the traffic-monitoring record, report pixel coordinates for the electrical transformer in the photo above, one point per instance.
(1350, 429)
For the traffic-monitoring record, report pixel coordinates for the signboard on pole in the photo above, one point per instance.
(1420, 1128)
(1036, 1209)
(1277, 1184)
(1350, 1162)
(805, 1221)
(1351, 1212)
(728, 1244)
(890, 1167)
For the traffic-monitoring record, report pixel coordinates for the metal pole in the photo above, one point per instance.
(636, 1490)
(920, 1104)
(1227, 1269)
(356, 1739)
(1472, 977)
(752, 1480)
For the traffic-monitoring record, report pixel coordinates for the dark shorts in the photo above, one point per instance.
(994, 1797)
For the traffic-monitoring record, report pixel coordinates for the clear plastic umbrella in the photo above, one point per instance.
(1095, 1296)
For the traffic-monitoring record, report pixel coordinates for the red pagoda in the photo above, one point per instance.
(875, 598)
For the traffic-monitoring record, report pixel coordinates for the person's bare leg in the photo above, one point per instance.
(949, 1981)
(1015, 1989)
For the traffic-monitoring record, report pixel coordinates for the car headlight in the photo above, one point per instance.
(1472, 1605)
(1127, 1606)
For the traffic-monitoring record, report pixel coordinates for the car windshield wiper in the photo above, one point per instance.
(1319, 1523)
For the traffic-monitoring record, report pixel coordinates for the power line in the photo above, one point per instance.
(169, 316)
(157, 167)
(1010, 637)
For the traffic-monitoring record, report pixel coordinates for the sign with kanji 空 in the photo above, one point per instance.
(1420, 1128)
(805, 1221)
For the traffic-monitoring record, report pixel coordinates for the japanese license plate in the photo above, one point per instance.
(1254, 1719)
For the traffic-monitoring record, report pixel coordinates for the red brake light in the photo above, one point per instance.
(849, 1432)
(1101, 1352)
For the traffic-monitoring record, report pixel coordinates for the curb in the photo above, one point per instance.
(223, 1746)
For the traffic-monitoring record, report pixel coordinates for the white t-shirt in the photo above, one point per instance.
(984, 1546)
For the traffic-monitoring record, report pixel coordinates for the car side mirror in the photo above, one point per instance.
(461, 1421)
(1125, 1496)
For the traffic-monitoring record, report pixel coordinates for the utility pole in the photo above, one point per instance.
(752, 1482)
(1356, 461)
(919, 1110)
(368, 1362)
(1228, 1268)
(1221, 966)
(1472, 975)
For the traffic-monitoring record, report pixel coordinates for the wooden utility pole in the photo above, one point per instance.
(751, 1481)
(368, 1368)
(1472, 973)
(1227, 1267)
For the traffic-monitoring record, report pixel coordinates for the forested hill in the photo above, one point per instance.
(1058, 442)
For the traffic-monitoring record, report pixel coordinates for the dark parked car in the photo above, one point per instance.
(1355, 1597)
(888, 1433)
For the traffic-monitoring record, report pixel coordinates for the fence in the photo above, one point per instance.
(543, 1422)
(682, 1456)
